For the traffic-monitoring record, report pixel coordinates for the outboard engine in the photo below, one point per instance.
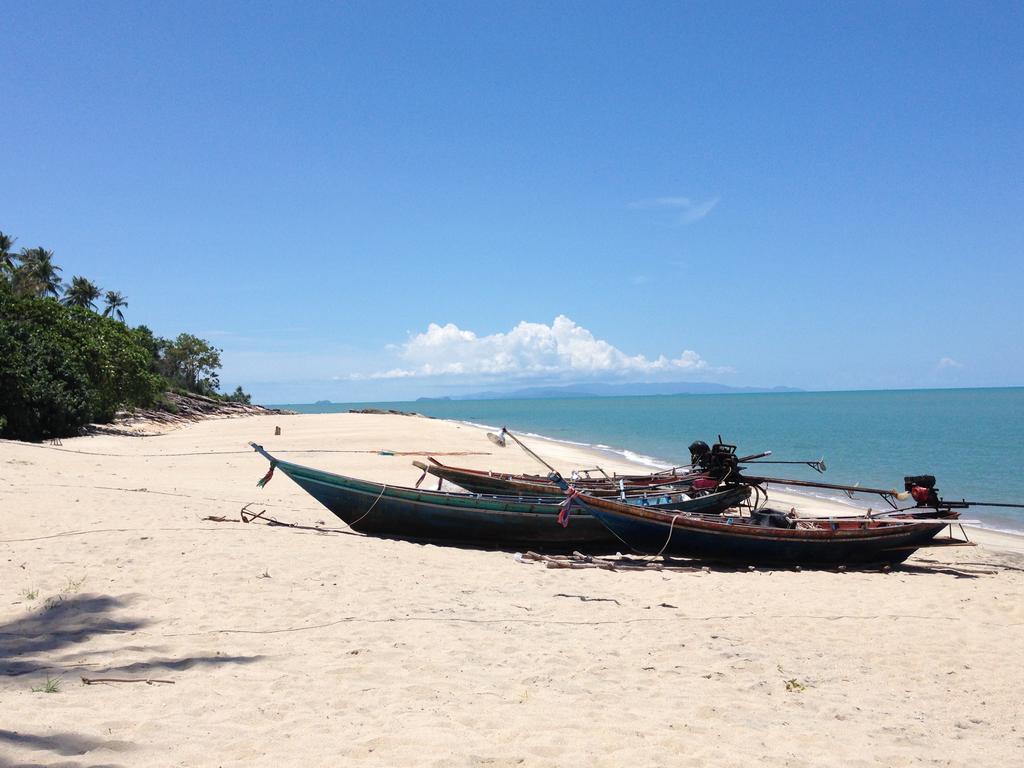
(700, 453)
(922, 490)
(723, 460)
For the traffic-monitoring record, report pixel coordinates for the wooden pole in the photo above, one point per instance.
(504, 431)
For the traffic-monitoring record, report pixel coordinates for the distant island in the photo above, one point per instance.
(614, 390)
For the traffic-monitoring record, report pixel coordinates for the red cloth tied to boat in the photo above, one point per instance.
(266, 478)
(563, 516)
(704, 483)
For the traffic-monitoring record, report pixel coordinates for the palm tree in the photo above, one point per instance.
(6, 257)
(114, 301)
(82, 293)
(37, 275)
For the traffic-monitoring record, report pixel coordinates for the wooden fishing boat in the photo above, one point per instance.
(479, 520)
(482, 481)
(771, 539)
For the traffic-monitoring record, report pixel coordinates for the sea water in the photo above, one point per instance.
(972, 440)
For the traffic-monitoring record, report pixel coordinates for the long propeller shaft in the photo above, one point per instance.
(817, 466)
(815, 484)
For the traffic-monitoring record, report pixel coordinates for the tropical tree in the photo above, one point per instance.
(82, 292)
(239, 396)
(7, 257)
(155, 345)
(114, 301)
(193, 363)
(37, 275)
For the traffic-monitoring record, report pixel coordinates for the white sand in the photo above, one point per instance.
(290, 647)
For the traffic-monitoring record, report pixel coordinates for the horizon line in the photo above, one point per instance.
(739, 392)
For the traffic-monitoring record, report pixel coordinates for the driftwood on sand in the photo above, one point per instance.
(577, 560)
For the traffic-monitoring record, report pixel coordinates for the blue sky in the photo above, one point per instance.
(385, 200)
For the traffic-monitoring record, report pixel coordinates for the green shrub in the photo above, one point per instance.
(238, 396)
(64, 367)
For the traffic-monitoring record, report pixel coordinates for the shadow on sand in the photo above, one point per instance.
(63, 744)
(57, 626)
(29, 643)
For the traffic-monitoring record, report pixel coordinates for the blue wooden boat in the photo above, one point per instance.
(494, 521)
(765, 538)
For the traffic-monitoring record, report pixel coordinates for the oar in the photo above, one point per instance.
(504, 431)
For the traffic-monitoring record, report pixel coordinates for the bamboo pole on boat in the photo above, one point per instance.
(504, 431)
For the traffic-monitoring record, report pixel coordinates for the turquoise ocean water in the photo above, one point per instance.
(972, 440)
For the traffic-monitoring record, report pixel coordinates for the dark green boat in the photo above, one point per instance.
(501, 522)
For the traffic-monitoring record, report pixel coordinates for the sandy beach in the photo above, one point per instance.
(295, 647)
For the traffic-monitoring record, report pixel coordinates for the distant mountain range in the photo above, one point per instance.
(614, 390)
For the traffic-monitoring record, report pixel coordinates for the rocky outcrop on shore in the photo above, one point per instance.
(176, 410)
(388, 412)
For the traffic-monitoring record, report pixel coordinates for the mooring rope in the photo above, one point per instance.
(673, 525)
(383, 488)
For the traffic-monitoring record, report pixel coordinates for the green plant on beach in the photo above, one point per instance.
(52, 685)
(70, 587)
(795, 686)
(30, 594)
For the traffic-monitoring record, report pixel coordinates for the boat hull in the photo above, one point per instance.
(829, 544)
(423, 515)
(489, 521)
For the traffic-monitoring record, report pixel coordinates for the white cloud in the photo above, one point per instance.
(948, 362)
(394, 373)
(529, 350)
(689, 209)
(662, 202)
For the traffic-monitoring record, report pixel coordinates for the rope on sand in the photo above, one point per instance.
(228, 453)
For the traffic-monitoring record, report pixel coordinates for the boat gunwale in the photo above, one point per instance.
(490, 503)
(433, 467)
(680, 521)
